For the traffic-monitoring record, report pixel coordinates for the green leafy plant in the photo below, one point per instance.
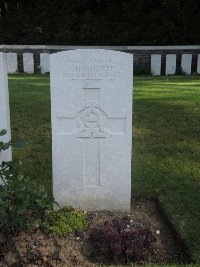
(64, 221)
(4, 146)
(22, 200)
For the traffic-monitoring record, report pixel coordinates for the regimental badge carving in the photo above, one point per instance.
(90, 121)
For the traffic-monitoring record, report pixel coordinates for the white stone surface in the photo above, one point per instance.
(28, 63)
(155, 64)
(170, 64)
(12, 62)
(186, 63)
(198, 64)
(91, 96)
(44, 62)
(4, 108)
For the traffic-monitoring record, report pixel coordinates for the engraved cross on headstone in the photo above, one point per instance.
(91, 125)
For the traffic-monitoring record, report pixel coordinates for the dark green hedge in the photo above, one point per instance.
(100, 22)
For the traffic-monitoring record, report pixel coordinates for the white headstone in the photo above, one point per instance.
(4, 108)
(198, 64)
(28, 63)
(170, 64)
(12, 62)
(155, 64)
(91, 96)
(186, 63)
(44, 62)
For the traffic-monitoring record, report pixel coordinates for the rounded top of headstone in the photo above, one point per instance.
(93, 51)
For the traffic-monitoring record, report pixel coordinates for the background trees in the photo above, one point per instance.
(100, 22)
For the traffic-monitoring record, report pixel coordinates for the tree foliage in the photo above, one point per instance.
(100, 22)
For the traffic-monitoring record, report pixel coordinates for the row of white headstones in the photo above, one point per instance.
(170, 66)
(28, 63)
(91, 114)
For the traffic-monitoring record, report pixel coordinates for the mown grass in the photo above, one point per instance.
(166, 148)
(166, 142)
(31, 125)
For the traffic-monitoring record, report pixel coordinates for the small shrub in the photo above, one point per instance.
(141, 70)
(180, 71)
(64, 221)
(38, 69)
(121, 241)
(22, 200)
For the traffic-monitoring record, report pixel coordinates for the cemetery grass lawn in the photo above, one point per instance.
(167, 150)
(31, 125)
(166, 142)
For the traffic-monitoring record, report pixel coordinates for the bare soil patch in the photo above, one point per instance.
(33, 248)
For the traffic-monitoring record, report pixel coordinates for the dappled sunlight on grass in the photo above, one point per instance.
(38, 84)
(28, 77)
